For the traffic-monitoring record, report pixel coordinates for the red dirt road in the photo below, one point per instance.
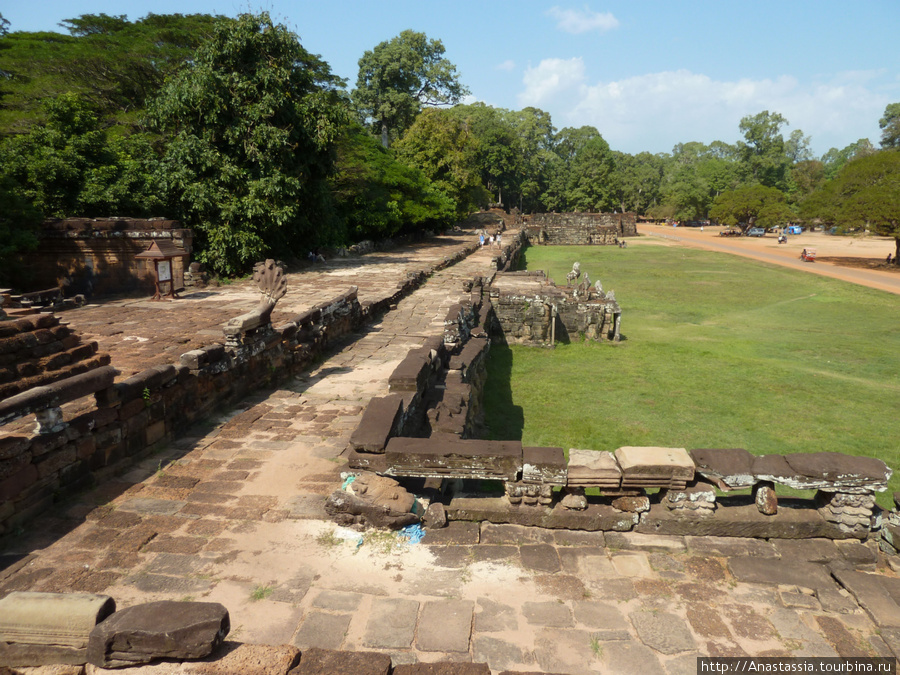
(855, 259)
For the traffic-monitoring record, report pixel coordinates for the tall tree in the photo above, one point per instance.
(751, 205)
(250, 126)
(834, 159)
(639, 180)
(71, 167)
(18, 224)
(592, 183)
(864, 194)
(500, 154)
(378, 196)
(763, 151)
(806, 178)
(890, 126)
(4, 26)
(446, 151)
(796, 147)
(400, 76)
(535, 130)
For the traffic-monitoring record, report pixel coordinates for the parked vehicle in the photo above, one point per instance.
(756, 232)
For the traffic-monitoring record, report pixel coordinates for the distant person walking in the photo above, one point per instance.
(481, 239)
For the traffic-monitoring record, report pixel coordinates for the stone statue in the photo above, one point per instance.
(598, 287)
(269, 275)
(574, 274)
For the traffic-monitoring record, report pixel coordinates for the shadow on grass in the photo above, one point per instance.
(504, 419)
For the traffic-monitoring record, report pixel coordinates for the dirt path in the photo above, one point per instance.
(859, 260)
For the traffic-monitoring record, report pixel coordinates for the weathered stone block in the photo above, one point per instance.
(655, 462)
(329, 662)
(449, 455)
(158, 630)
(39, 629)
(411, 374)
(372, 500)
(378, 423)
(544, 465)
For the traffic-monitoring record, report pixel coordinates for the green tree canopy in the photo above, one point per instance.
(763, 149)
(865, 193)
(18, 224)
(640, 177)
(444, 150)
(377, 196)
(835, 159)
(890, 126)
(751, 205)
(116, 65)
(250, 125)
(591, 184)
(71, 167)
(499, 153)
(399, 77)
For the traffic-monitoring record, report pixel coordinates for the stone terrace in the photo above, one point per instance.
(233, 513)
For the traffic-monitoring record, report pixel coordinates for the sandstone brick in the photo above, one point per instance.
(56, 460)
(17, 482)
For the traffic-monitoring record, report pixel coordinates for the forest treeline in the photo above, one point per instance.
(232, 127)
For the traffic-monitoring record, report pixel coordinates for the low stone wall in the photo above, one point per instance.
(579, 229)
(133, 417)
(97, 255)
(130, 419)
(543, 488)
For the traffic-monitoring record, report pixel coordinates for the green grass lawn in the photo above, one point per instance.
(719, 352)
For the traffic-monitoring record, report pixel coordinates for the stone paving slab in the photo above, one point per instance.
(391, 624)
(445, 626)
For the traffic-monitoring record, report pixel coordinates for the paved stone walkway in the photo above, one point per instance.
(232, 513)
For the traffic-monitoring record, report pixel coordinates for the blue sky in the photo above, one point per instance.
(646, 74)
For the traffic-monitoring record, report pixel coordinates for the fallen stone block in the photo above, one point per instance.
(591, 468)
(411, 374)
(330, 662)
(158, 630)
(378, 423)
(38, 629)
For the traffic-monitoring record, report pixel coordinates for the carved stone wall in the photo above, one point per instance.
(579, 229)
(527, 306)
(97, 255)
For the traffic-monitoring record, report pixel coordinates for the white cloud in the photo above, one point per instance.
(552, 79)
(509, 64)
(582, 21)
(655, 111)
